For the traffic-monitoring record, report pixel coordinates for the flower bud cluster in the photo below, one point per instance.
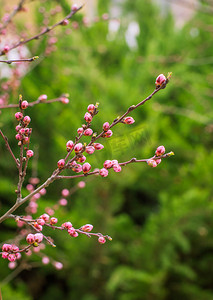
(34, 239)
(11, 252)
(154, 161)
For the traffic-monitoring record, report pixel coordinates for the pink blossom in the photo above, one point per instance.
(77, 168)
(78, 147)
(88, 117)
(106, 126)
(74, 7)
(37, 226)
(90, 149)
(6, 247)
(11, 257)
(65, 100)
(30, 238)
(61, 163)
(86, 168)
(26, 120)
(18, 116)
(81, 159)
(101, 240)
(40, 221)
(65, 192)
(67, 225)
(160, 80)
(117, 168)
(87, 227)
(152, 163)
(42, 191)
(71, 231)
(103, 172)
(45, 217)
(42, 97)
(108, 133)
(160, 151)
(12, 265)
(88, 132)
(38, 237)
(24, 104)
(108, 164)
(81, 184)
(58, 265)
(69, 145)
(65, 22)
(29, 153)
(98, 146)
(80, 130)
(91, 108)
(4, 254)
(63, 202)
(45, 260)
(53, 221)
(128, 120)
(50, 211)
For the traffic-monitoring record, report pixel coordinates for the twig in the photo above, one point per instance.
(19, 60)
(32, 103)
(46, 30)
(9, 149)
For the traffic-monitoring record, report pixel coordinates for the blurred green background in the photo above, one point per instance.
(160, 219)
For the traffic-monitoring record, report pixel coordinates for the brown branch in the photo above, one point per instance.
(9, 149)
(19, 60)
(15, 11)
(46, 30)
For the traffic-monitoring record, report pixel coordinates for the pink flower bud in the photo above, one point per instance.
(65, 22)
(81, 184)
(74, 7)
(30, 238)
(6, 247)
(45, 260)
(19, 137)
(87, 227)
(81, 159)
(75, 234)
(45, 217)
(65, 192)
(117, 168)
(101, 240)
(160, 80)
(88, 117)
(77, 168)
(42, 97)
(108, 133)
(53, 221)
(65, 100)
(108, 164)
(18, 116)
(160, 151)
(106, 126)
(152, 163)
(88, 132)
(15, 248)
(78, 148)
(91, 108)
(58, 265)
(103, 172)
(4, 254)
(29, 153)
(61, 163)
(128, 120)
(11, 257)
(6, 49)
(86, 168)
(71, 231)
(38, 237)
(98, 146)
(26, 120)
(40, 221)
(37, 226)
(69, 145)
(42, 191)
(158, 161)
(90, 149)
(67, 225)
(63, 202)
(12, 265)
(24, 104)
(80, 130)
(18, 127)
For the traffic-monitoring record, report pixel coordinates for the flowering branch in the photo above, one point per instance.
(74, 10)
(19, 60)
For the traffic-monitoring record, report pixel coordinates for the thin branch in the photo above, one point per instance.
(46, 30)
(19, 60)
(9, 149)
(15, 11)
(33, 103)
